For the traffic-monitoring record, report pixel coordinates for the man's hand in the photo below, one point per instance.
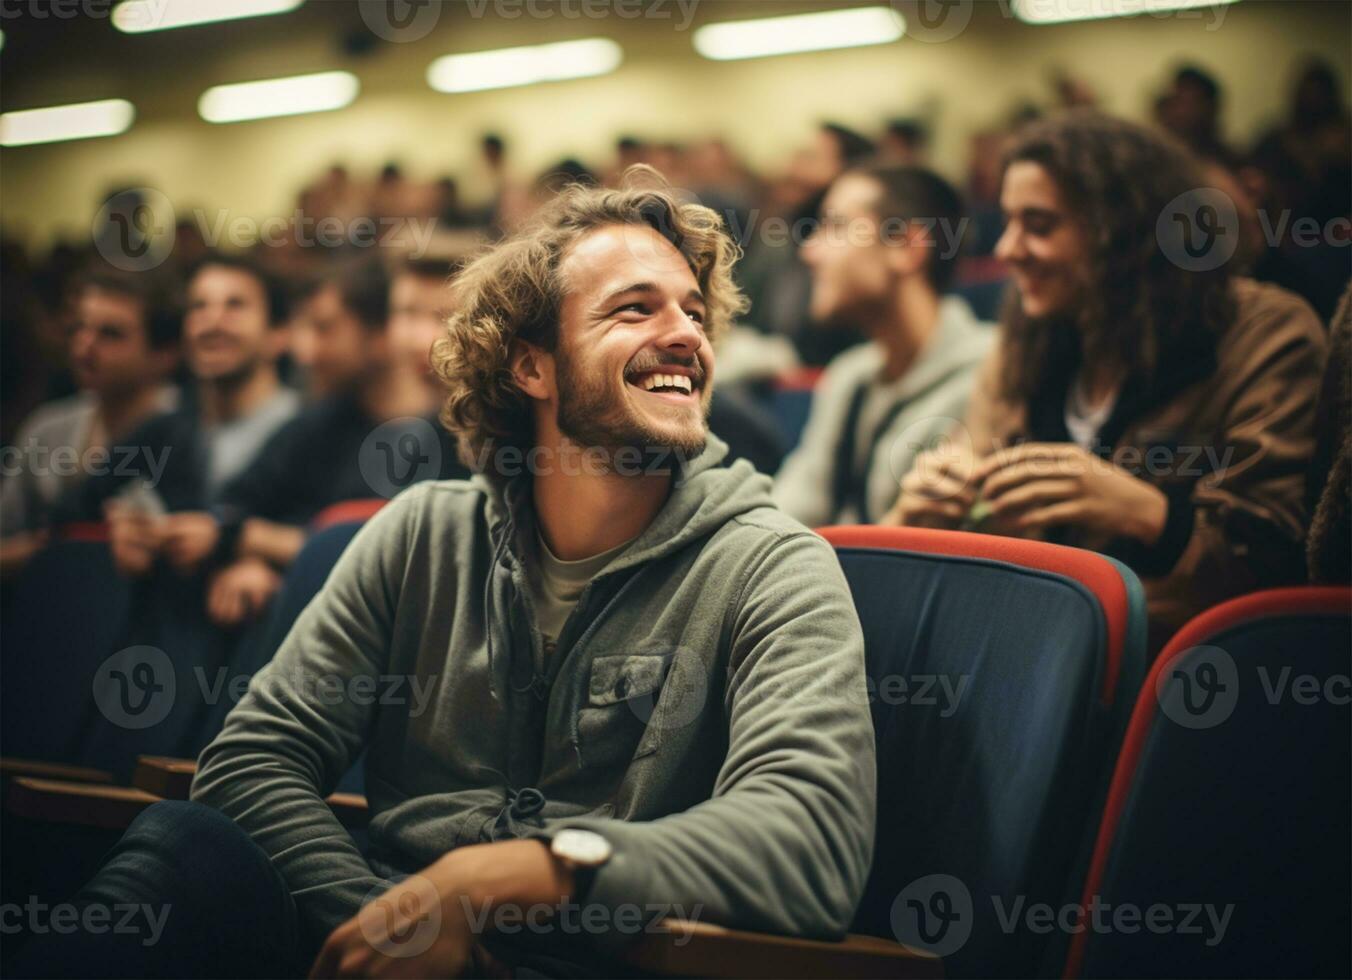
(241, 591)
(134, 538)
(937, 492)
(425, 925)
(189, 537)
(1039, 485)
(275, 543)
(18, 549)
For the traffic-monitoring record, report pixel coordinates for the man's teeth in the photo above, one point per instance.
(679, 381)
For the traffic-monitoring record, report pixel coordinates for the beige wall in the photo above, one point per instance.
(764, 107)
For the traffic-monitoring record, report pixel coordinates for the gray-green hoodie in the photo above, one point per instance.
(705, 709)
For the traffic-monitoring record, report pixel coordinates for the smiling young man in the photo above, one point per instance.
(234, 332)
(882, 261)
(123, 349)
(647, 682)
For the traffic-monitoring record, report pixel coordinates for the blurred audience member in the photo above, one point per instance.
(1160, 415)
(1329, 488)
(331, 452)
(719, 181)
(123, 350)
(904, 143)
(234, 332)
(881, 260)
(774, 275)
(629, 150)
(391, 194)
(419, 305)
(1301, 173)
(1191, 111)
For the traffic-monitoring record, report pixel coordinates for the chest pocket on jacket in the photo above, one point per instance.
(612, 726)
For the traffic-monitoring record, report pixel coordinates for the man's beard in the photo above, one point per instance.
(594, 413)
(238, 375)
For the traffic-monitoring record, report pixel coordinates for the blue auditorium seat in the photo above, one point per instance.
(1002, 673)
(1234, 791)
(60, 622)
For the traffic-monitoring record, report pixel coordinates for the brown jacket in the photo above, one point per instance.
(1228, 441)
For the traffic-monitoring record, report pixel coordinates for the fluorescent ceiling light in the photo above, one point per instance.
(768, 36)
(66, 122)
(1064, 11)
(143, 16)
(507, 67)
(292, 96)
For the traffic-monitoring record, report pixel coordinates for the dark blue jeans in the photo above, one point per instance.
(185, 893)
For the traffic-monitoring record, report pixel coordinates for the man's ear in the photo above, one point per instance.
(533, 369)
(913, 251)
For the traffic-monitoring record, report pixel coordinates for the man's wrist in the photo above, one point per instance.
(518, 872)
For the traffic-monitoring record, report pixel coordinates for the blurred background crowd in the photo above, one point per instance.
(262, 292)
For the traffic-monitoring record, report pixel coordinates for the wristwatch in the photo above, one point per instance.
(582, 852)
(579, 849)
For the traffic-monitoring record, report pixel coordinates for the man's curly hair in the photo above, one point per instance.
(515, 292)
(1141, 311)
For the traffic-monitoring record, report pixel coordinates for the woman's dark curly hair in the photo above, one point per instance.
(1141, 310)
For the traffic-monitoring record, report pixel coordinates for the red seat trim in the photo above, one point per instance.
(347, 511)
(93, 531)
(798, 379)
(1095, 572)
(1300, 601)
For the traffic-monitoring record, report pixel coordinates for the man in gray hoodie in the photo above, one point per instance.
(882, 260)
(606, 673)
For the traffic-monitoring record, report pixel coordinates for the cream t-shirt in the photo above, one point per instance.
(558, 585)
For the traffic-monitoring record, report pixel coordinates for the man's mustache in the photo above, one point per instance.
(643, 363)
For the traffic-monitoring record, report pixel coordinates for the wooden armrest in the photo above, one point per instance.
(700, 949)
(163, 776)
(350, 808)
(85, 804)
(11, 767)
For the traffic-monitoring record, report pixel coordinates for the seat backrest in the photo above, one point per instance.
(998, 673)
(791, 403)
(60, 621)
(304, 579)
(1230, 810)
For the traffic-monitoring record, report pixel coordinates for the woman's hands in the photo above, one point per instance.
(938, 491)
(1039, 485)
(1029, 488)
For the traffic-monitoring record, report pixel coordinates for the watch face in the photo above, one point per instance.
(581, 847)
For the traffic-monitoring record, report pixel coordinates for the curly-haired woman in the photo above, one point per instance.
(1142, 401)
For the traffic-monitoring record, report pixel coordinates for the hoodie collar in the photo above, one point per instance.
(704, 495)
